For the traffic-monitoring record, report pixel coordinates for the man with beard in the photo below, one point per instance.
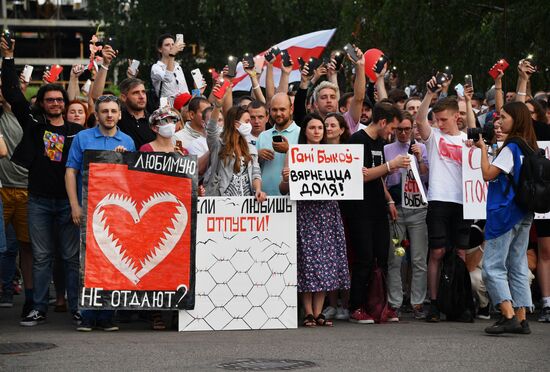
(43, 150)
(273, 143)
(135, 121)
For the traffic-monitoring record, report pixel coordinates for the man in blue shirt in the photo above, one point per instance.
(105, 136)
(271, 153)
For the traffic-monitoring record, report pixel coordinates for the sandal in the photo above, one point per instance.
(309, 321)
(323, 322)
(158, 323)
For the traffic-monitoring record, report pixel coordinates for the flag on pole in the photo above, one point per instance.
(305, 46)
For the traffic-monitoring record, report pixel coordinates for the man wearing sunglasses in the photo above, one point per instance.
(43, 150)
(105, 136)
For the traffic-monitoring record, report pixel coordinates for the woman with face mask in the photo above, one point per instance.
(163, 123)
(233, 160)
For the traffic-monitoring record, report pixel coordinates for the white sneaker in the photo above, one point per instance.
(329, 312)
(341, 313)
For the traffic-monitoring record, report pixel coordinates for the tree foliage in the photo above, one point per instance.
(419, 36)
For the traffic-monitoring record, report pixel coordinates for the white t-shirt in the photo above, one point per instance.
(505, 160)
(445, 159)
(198, 147)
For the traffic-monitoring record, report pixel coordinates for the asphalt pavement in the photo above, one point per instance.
(409, 345)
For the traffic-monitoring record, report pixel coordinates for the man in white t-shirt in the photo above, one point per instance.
(446, 225)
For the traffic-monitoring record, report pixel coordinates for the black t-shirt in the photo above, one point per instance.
(47, 171)
(137, 129)
(542, 130)
(373, 204)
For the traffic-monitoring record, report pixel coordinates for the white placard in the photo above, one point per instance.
(245, 265)
(474, 195)
(326, 172)
(413, 195)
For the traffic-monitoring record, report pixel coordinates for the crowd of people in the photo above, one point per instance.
(241, 142)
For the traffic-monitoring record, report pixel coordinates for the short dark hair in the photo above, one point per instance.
(385, 110)
(163, 37)
(241, 99)
(397, 95)
(195, 103)
(343, 101)
(447, 103)
(51, 88)
(258, 104)
(129, 83)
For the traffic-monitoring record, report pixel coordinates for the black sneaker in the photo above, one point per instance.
(433, 315)
(483, 313)
(85, 326)
(465, 317)
(544, 315)
(27, 307)
(525, 330)
(77, 318)
(504, 325)
(34, 318)
(107, 326)
(6, 300)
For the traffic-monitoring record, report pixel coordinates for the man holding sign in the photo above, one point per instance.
(411, 219)
(368, 219)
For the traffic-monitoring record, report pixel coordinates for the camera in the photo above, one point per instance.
(487, 133)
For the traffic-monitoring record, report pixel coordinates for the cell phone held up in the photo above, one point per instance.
(350, 50)
(197, 78)
(272, 53)
(55, 71)
(501, 64)
(468, 80)
(231, 66)
(249, 59)
(379, 66)
(221, 91)
(285, 55)
(277, 138)
(7, 35)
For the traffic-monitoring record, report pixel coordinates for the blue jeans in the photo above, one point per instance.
(8, 259)
(48, 216)
(505, 271)
(94, 316)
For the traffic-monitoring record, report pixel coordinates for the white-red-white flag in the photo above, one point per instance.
(305, 46)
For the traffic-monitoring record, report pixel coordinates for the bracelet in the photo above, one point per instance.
(388, 166)
(283, 181)
(256, 87)
(105, 67)
(220, 106)
(498, 88)
(391, 202)
(521, 93)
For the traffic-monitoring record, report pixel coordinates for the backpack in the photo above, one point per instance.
(533, 188)
(454, 296)
(377, 296)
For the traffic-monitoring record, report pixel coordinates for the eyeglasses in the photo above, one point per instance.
(107, 98)
(403, 130)
(54, 99)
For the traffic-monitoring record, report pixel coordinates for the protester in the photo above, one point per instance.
(258, 118)
(273, 143)
(167, 75)
(234, 161)
(367, 219)
(134, 119)
(505, 270)
(163, 123)
(411, 221)
(77, 113)
(106, 136)
(194, 128)
(43, 151)
(447, 228)
(322, 261)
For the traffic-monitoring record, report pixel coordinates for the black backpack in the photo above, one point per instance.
(454, 296)
(533, 189)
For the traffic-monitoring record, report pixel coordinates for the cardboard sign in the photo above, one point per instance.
(326, 172)
(474, 195)
(413, 195)
(246, 265)
(138, 242)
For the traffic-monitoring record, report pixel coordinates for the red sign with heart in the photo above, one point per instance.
(138, 229)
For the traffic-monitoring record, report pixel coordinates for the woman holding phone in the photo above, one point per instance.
(233, 160)
(322, 259)
(505, 270)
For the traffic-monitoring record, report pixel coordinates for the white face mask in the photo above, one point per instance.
(245, 129)
(167, 130)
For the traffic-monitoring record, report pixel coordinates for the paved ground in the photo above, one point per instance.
(409, 345)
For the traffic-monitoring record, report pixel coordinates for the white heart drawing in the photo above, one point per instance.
(115, 252)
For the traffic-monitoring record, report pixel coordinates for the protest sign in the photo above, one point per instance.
(326, 172)
(413, 195)
(246, 265)
(475, 188)
(138, 242)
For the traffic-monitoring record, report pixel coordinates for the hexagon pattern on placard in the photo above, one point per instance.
(243, 285)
